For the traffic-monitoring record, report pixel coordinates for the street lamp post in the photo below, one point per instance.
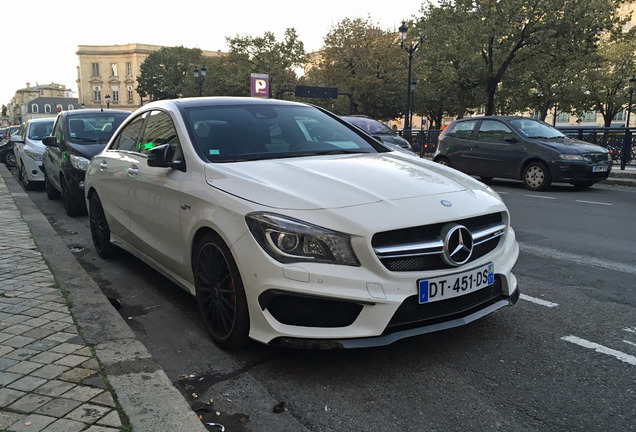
(199, 77)
(627, 143)
(107, 97)
(410, 49)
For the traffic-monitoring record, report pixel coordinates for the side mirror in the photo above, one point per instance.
(161, 157)
(16, 138)
(49, 141)
(510, 139)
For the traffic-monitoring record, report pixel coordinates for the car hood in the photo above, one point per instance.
(328, 182)
(569, 145)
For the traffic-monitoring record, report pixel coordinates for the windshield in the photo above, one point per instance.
(251, 132)
(536, 129)
(369, 125)
(93, 128)
(39, 130)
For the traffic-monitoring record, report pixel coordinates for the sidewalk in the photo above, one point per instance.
(68, 361)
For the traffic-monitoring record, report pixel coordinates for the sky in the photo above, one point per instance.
(40, 38)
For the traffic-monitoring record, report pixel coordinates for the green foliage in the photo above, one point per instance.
(168, 73)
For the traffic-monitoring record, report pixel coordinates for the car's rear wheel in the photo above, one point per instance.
(443, 161)
(536, 176)
(73, 207)
(220, 292)
(51, 192)
(100, 232)
(9, 158)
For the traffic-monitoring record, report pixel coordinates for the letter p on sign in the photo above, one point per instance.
(260, 85)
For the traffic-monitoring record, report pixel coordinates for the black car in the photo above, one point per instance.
(77, 136)
(6, 146)
(521, 148)
(378, 130)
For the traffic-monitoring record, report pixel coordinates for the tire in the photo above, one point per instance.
(73, 207)
(100, 232)
(536, 176)
(51, 192)
(220, 293)
(8, 158)
(442, 160)
(24, 178)
(580, 185)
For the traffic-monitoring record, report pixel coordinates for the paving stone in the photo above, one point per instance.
(88, 413)
(8, 396)
(27, 383)
(21, 354)
(111, 419)
(31, 423)
(77, 375)
(61, 336)
(42, 345)
(24, 367)
(86, 351)
(18, 341)
(96, 428)
(17, 329)
(36, 322)
(6, 363)
(4, 336)
(38, 333)
(65, 425)
(49, 371)
(58, 407)
(82, 393)
(46, 357)
(54, 388)
(35, 312)
(104, 399)
(66, 348)
(29, 403)
(4, 350)
(8, 418)
(71, 360)
(8, 377)
(91, 364)
(55, 316)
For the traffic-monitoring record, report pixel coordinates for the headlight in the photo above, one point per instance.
(33, 155)
(79, 162)
(290, 240)
(571, 157)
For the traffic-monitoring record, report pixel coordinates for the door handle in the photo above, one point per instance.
(132, 171)
(103, 166)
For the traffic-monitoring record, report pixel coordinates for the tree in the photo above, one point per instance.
(168, 73)
(364, 61)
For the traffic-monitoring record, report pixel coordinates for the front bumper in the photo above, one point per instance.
(328, 306)
(33, 169)
(573, 171)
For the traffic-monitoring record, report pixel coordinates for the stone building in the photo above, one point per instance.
(40, 101)
(112, 71)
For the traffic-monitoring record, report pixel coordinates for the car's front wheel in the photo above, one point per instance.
(51, 192)
(220, 293)
(73, 205)
(100, 232)
(536, 176)
(9, 158)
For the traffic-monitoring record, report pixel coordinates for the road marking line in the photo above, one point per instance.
(537, 301)
(541, 196)
(630, 329)
(578, 259)
(594, 202)
(629, 342)
(630, 359)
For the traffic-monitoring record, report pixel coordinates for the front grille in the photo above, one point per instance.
(412, 314)
(596, 157)
(420, 248)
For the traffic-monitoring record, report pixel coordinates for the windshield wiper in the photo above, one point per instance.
(83, 139)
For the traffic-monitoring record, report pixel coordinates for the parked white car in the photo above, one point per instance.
(294, 228)
(29, 149)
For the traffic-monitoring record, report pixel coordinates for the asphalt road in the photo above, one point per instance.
(562, 359)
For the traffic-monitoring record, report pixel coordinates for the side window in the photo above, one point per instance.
(128, 138)
(160, 130)
(463, 129)
(58, 133)
(493, 131)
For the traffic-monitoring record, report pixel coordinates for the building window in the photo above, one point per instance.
(563, 117)
(97, 94)
(620, 116)
(588, 116)
(35, 109)
(59, 107)
(129, 69)
(536, 114)
(113, 69)
(70, 107)
(95, 69)
(47, 108)
(130, 93)
(115, 94)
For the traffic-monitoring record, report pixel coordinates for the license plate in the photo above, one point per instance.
(599, 168)
(455, 285)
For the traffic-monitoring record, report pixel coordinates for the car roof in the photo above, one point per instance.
(93, 111)
(495, 117)
(221, 101)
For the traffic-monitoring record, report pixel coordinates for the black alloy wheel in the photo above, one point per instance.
(220, 293)
(100, 233)
(536, 176)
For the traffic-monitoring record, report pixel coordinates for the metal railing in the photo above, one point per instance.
(424, 141)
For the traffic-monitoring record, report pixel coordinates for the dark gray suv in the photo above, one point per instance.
(521, 148)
